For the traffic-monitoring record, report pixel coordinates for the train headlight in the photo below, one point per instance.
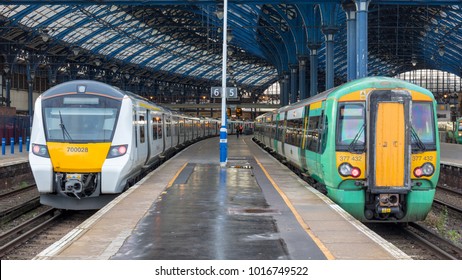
(117, 151)
(345, 169)
(40, 150)
(427, 169)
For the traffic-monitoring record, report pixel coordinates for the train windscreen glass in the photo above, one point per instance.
(80, 118)
(422, 122)
(350, 124)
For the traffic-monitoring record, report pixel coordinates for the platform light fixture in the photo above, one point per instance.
(441, 50)
(44, 35)
(219, 13)
(75, 50)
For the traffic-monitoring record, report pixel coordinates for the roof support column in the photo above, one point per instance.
(350, 11)
(329, 27)
(329, 34)
(285, 89)
(7, 86)
(30, 79)
(302, 76)
(293, 84)
(313, 68)
(361, 37)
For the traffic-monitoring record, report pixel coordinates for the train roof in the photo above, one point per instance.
(378, 82)
(84, 86)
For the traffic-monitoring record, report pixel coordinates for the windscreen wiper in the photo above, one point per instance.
(352, 146)
(63, 128)
(418, 142)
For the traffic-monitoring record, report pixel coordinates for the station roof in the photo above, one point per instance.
(181, 41)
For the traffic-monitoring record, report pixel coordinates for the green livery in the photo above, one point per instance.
(371, 145)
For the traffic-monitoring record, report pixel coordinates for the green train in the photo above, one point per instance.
(371, 145)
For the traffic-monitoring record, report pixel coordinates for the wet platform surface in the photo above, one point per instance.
(191, 208)
(215, 213)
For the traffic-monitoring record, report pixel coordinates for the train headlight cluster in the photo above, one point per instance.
(117, 151)
(345, 169)
(40, 150)
(427, 169)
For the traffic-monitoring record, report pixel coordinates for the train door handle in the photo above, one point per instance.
(395, 144)
(385, 144)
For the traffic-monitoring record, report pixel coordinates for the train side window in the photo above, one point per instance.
(168, 127)
(141, 123)
(324, 133)
(156, 128)
(313, 134)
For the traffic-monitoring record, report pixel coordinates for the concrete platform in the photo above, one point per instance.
(17, 157)
(451, 154)
(190, 208)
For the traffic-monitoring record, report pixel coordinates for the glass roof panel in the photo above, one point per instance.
(11, 10)
(114, 45)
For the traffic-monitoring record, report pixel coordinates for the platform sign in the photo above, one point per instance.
(215, 92)
(231, 93)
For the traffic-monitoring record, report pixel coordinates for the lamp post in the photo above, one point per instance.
(223, 130)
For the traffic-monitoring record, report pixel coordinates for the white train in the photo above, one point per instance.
(91, 141)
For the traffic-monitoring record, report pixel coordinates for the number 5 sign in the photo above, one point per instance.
(231, 93)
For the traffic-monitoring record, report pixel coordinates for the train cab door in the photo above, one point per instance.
(389, 142)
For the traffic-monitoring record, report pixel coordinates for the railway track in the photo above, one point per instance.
(25, 244)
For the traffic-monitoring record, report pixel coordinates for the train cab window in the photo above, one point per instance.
(422, 123)
(80, 118)
(350, 125)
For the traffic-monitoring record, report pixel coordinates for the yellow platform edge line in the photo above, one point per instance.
(170, 183)
(300, 220)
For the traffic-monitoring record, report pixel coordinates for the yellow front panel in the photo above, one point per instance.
(78, 158)
(419, 159)
(390, 143)
(356, 160)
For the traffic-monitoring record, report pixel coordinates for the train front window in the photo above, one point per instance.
(80, 118)
(350, 124)
(422, 122)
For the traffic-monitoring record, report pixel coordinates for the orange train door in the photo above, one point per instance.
(389, 149)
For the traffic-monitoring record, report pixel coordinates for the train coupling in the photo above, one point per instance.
(73, 184)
